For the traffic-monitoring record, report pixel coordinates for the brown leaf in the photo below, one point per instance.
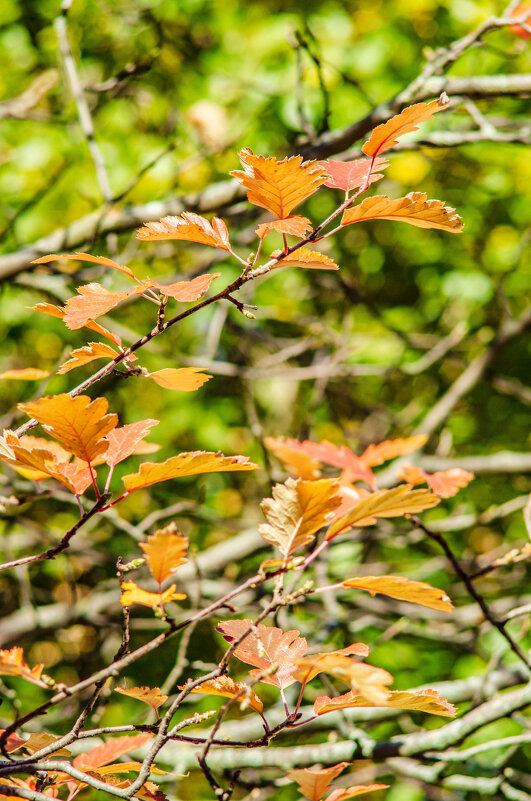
(304, 257)
(295, 458)
(185, 464)
(12, 664)
(80, 424)
(396, 502)
(228, 688)
(148, 695)
(265, 646)
(133, 594)
(86, 354)
(186, 291)
(189, 227)
(165, 550)
(103, 754)
(124, 441)
(40, 740)
(445, 484)
(294, 225)
(297, 510)
(414, 209)
(278, 186)
(370, 681)
(390, 449)
(184, 379)
(26, 374)
(86, 257)
(13, 743)
(314, 783)
(421, 700)
(385, 136)
(348, 175)
(403, 589)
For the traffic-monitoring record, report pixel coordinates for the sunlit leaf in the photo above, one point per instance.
(12, 664)
(59, 312)
(125, 440)
(228, 688)
(445, 484)
(294, 457)
(85, 257)
(371, 682)
(165, 550)
(184, 379)
(185, 464)
(341, 794)
(86, 354)
(26, 374)
(92, 301)
(105, 753)
(304, 257)
(306, 672)
(403, 589)
(314, 783)
(294, 225)
(422, 700)
(37, 458)
(390, 449)
(348, 175)
(414, 209)
(297, 510)
(190, 227)
(520, 10)
(385, 136)
(148, 695)
(342, 457)
(12, 743)
(39, 740)
(133, 594)
(186, 291)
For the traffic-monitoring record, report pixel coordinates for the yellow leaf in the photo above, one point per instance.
(190, 227)
(27, 374)
(403, 589)
(396, 502)
(184, 379)
(12, 664)
(86, 354)
(228, 688)
(278, 186)
(185, 464)
(414, 209)
(421, 700)
(314, 783)
(385, 136)
(133, 594)
(304, 257)
(297, 510)
(80, 424)
(40, 740)
(295, 458)
(148, 695)
(341, 794)
(165, 551)
(370, 681)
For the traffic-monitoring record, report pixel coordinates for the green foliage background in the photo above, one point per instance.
(199, 81)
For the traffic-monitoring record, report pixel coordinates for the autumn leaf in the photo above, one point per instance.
(414, 209)
(370, 681)
(37, 458)
(148, 695)
(189, 227)
(265, 646)
(390, 449)
(385, 136)
(105, 753)
(76, 477)
(228, 688)
(297, 510)
(294, 225)
(92, 301)
(341, 794)
(184, 379)
(86, 257)
(403, 589)
(39, 740)
(520, 10)
(133, 594)
(165, 550)
(306, 673)
(420, 700)
(59, 312)
(26, 374)
(185, 464)
(304, 257)
(12, 743)
(12, 664)
(278, 186)
(125, 440)
(186, 291)
(348, 175)
(294, 457)
(342, 457)
(314, 783)
(445, 484)
(396, 502)
(88, 353)
(79, 423)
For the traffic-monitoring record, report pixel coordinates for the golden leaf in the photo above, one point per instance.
(294, 456)
(26, 374)
(386, 135)
(86, 354)
(58, 311)
(304, 257)
(341, 794)
(12, 664)
(92, 301)
(133, 594)
(414, 209)
(186, 291)
(294, 225)
(370, 681)
(403, 589)
(184, 379)
(165, 550)
(148, 695)
(185, 464)
(86, 257)
(228, 688)
(190, 227)
(314, 783)
(445, 483)
(390, 449)
(421, 700)
(127, 439)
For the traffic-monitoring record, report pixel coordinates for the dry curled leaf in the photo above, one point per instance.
(183, 379)
(304, 257)
(414, 209)
(445, 484)
(185, 464)
(228, 688)
(314, 783)
(297, 510)
(88, 353)
(148, 695)
(294, 225)
(133, 594)
(348, 175)
(165, 550)
(189, 227)
(403, 589)
(386, 135)
(420, 700)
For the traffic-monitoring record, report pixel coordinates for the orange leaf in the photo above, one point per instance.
(294, 456)
(294, 225)
(314, 783)
(370, 681)
(125, 440)
(297, 510)
(103, 754)
(40, 740)
(278, 186)
(265, 646)
(186, 291)
(306, 674)
(58, 311)
(347, 175)
(190, 227)
(396, 502)
(165, 550)
(185, 464)
(37, 458)
(148, 695)
(133, 594)
(445, 484)
(519, 11)
(86, 257)
(80, 424)
(403, 589)
(86, 354)
(341, 794)
(385, 136)
(92, 301)
(27, 374)
(127, 767)
(12, 664)
(414, 209)
(13, 743)
(421, 700)
(184, 379)
(304, 257)
(390, 449)
(340, 456)
(228, 688)
(76, 477)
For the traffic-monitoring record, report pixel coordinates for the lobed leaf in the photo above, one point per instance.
(386, 135)
(133, 594)
(165, 550)
(185, 464)
(37, 458)
(306, 673)
(186, 291)
(314, 783)
(148, 695)
(342, 457)
(304, 257)
(419, 700)
(228, 688)
(414, 209)
(105, 753)
(12, 664)
(59, 312)
(184, 379)
(391, 448)
(293, 225)
(294, 456)
(125, 440)
(445, 483)
(189, 227)
(403, 589)
(348, 175)
(371, 682)
(88, 353)
(92, 301)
